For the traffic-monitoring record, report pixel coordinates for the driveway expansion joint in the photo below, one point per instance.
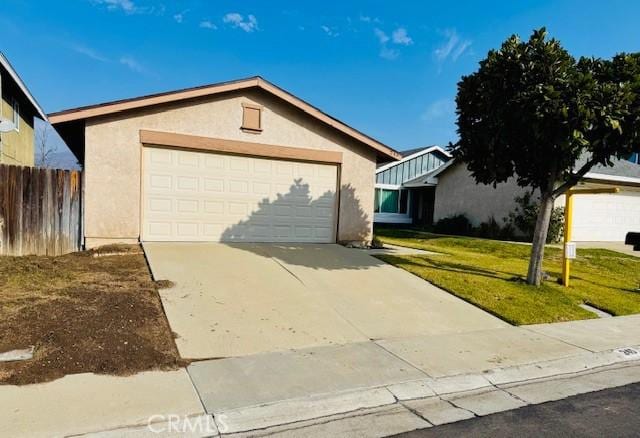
(564, 341)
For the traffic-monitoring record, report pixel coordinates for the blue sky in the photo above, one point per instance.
(387, 68)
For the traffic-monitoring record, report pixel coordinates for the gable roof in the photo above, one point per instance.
(4, 62)
(119, 106)
(429, 178)
(413, 153)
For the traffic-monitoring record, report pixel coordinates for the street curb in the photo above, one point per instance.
(567, 365)
(459, 395)
(302, 409)
(318, 406)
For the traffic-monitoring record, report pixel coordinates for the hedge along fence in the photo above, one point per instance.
(40, 211)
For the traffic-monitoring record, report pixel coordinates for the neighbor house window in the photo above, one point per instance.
(403, 203)
(16, 115)
(251, 117)
(391, 201)
(635, 158)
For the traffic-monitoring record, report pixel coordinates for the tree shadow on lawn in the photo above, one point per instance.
(408, 233)
(457, 268)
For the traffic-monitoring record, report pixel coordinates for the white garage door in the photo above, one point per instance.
(200, 196)
(605, 217)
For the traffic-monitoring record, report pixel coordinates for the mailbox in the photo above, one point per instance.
(570, 250)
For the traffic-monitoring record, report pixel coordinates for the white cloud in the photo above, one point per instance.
(332, 32)
(125, 5)
(462, 47)
(452, 48)
(368, 19)
(89, 52)
(383, 38)
(132, 63)
(400, 36)
(389, 54)
(207, 24)
(238, 21)
(179, 17)
(438, 109)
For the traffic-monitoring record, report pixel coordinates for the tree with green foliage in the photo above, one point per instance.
(531, 111)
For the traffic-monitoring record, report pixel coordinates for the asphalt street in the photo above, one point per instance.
(609, 413)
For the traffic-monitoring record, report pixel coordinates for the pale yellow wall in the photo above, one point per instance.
(17, 146)
(113, 159)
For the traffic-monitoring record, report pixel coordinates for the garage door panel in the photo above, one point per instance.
(197, 196)
(605, 217)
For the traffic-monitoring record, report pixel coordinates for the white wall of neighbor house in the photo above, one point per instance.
(604, 217)
(458, 193)
(114, 156)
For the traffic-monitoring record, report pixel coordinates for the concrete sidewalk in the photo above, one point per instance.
(359, 389)
(83, 403)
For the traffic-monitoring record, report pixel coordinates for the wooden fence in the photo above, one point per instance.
(40, 211)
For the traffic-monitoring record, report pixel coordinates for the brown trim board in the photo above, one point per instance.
(194, 142)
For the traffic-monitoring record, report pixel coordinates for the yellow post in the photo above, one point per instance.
(568, 218)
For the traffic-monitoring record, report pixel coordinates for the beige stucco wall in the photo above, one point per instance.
(458, 193)
(113, 159)
(17, 146)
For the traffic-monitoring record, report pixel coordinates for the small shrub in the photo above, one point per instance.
(524, 217)
(458, 225)
(491, 229)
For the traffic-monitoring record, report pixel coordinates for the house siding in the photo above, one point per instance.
(113, 158)
(458, 193)
(17, 146)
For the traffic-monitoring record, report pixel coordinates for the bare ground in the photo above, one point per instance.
(93, 311)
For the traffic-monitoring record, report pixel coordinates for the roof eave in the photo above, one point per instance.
(383, 151)
(14, 75)
(409, 157)
(611, 178)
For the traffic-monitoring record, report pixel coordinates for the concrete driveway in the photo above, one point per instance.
(613, 246)
(240, 299)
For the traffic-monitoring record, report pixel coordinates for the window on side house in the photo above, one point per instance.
(403, 205)
(251, 117)
(391, 201)
(16, 115)
(376, 201)
(388, 201)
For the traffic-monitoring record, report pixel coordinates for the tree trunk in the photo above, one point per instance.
(534, 275)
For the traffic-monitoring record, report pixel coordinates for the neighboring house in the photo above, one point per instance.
(596, 217)
(17, 110)
(401, 195)
(234, 161)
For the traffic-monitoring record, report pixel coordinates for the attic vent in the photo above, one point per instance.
(251, 118)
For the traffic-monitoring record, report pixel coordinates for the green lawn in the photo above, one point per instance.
(490, 274)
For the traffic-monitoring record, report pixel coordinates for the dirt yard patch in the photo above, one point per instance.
(94, 311)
